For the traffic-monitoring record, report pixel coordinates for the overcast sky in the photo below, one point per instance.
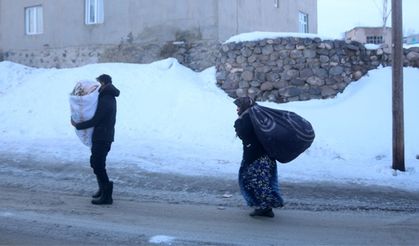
(337, 16)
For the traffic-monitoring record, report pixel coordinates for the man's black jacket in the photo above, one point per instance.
(105, 116)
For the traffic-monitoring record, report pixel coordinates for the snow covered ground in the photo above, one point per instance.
(171, 119)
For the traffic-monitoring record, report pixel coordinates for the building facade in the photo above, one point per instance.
(370, 35)
(62, 33)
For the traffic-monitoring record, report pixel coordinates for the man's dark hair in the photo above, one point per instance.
(104, 78)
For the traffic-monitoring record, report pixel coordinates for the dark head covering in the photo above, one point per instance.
(243, 103)
(105, 79)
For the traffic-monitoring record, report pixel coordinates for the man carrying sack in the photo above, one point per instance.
(103, 122)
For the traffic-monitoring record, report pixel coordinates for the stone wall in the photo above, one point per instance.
(411, 57)
(279, 70)
(197, 55)
(295, 69)
(58, 58)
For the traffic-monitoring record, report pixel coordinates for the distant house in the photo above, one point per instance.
(411, 39)
(66, 33)
(370, 35)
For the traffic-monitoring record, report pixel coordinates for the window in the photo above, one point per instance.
(374, 39)
(33, 20)
(94, 12)
(303, 22)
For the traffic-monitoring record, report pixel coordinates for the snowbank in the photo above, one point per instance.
(171, 119)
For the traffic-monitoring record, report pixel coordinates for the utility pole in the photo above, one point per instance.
(397, 76)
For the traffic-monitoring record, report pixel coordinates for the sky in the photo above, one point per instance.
(172, 119)
(337, 16)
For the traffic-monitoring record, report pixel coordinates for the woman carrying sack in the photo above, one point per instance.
(258, 178)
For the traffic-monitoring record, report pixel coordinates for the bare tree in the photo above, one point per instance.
(385, 12)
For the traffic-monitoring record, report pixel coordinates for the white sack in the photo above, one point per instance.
(83, 104)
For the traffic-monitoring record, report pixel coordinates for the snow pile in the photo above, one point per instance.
(407, 46)
(161, 239)
(372, 46)
(171, 119)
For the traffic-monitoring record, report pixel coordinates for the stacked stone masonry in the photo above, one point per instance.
(297, 69)
(197, 54)
(279, 70)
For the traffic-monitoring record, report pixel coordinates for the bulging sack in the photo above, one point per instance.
(283, 134)
(83, 104)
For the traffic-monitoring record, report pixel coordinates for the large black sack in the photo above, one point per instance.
(283, 134)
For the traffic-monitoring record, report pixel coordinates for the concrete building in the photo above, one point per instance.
(63, 33)
(370, 35)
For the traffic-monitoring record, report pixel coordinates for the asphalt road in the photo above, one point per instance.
(49, 204)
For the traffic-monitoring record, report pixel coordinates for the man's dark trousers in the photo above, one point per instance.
(100, 150)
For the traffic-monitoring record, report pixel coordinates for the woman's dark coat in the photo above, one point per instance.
(252, 148)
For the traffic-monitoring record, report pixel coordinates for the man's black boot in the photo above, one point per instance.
(106, 196)
(99, 191)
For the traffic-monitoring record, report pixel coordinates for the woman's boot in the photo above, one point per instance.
(106, 196)
(267, 212)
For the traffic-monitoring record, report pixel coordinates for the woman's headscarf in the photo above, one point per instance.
(243, 103)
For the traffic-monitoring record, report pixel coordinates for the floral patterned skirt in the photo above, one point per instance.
(259, 184)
